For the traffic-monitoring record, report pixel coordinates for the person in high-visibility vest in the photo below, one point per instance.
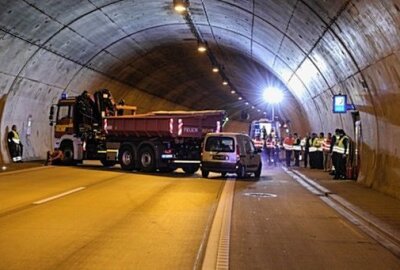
(342, 149)
(312, 150)
(270, 149)
(14, 145)
(326, 147)
(296, 149)
(288, 146)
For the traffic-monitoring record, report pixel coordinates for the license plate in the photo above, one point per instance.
(220, 157)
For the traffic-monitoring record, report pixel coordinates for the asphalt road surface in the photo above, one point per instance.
(88, 217)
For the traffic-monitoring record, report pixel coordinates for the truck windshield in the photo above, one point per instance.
(220, 144)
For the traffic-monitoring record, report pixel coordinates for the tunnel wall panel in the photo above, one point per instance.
(14, 53)
(305, 28)
(31, 25)
(49, 68)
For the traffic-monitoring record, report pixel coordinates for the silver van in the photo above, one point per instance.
(230, 153)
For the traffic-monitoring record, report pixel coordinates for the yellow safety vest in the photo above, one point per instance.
(339, 146)
(15, 137)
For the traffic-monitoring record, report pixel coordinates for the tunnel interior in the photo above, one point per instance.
(146, 52)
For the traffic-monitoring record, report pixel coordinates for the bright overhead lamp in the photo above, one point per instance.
(273, 95)
(233, 92)
(215, 69)
(240, 98)
(247, 104)
(180, 6)
(253, 107)
(201, 47)
(224, 83)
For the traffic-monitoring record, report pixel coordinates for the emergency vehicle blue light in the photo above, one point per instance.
(339, 103)
(64, 95)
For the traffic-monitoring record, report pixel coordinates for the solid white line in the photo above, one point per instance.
(217, 251)
(59, 195)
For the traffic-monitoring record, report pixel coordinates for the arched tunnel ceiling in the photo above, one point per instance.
(149, 46)
(146, 52)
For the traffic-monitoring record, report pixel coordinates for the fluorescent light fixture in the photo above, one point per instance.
(247, 104)
(273, 95)
(224, 83)
(240, 98)
(215, 69)
(233, 92)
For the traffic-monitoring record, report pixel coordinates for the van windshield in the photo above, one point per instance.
(220, 144)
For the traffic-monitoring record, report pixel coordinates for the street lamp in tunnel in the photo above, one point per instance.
(273, 95)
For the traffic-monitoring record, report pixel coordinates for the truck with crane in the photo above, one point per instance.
(94, 127)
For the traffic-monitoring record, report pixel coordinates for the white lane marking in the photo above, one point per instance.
(59, 195)
(217, 251)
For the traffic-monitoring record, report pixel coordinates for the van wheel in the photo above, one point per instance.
(204, 173)
(257, 173)
(241, 173)
(147, 159)
(126, 158)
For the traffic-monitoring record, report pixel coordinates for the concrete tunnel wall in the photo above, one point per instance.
(145, 52)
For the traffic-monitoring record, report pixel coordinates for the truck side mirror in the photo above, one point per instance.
(51, 115)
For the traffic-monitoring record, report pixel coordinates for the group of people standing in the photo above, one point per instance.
(328, 153)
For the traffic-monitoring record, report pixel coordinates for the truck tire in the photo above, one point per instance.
(191, 169)
(204, 173)
(68, 152)
(126, 158)
(108, 163)
(147, 161)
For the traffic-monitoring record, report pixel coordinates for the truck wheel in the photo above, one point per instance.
(204, 173)
(108, 163)
(126, 158)
(190, 169)
(257, 174)
(241, 172)
(68, 152)
(147, 159)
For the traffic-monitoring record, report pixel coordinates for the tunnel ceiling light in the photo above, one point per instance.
(240, 98)
(180, 6)
(224, 83)
(215, 69)
(201, 47)
(247, 104)
(273, 95)
(253, 107)
(233, 92)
